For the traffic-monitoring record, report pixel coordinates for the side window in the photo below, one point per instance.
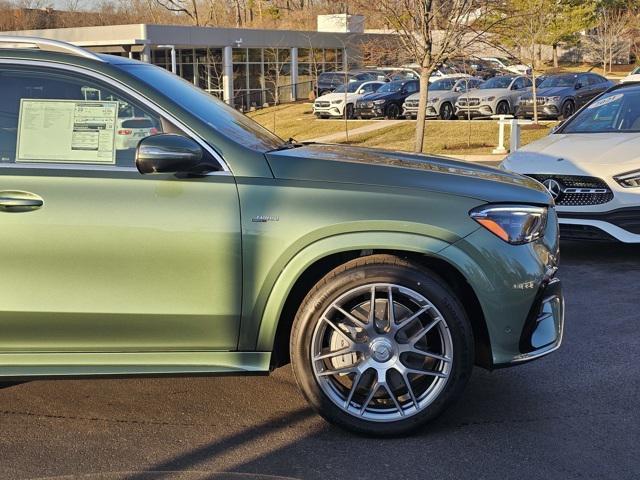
(412, 87)
(527, 82)
(52, 116)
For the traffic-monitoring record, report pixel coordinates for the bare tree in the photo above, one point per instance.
(613, 24)
(432, 31)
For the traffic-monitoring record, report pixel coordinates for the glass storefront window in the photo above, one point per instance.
(239, 55)
(255, 55)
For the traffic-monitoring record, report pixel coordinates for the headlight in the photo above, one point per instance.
(515, 224)
(488, 99)
(552, 99)
(434, 100)
(379, 102)
(336, 102)
(629, 179)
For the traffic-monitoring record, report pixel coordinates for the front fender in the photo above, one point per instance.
(379, 240)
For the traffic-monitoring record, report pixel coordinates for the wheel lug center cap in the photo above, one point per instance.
(381, 350)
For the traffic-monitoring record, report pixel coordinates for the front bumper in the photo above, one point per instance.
(376, 111)
(544, 327)
(622, 224)
(521, 310)
(546, 110)
(481, 110)
(331, 111)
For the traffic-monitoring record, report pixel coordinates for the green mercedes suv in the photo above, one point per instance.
(150, 229)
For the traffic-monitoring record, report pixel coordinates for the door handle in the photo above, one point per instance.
(17, 201)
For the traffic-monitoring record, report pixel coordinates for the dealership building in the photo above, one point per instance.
(253, 66)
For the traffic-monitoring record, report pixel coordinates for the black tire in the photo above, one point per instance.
(362, 272)
(567, 109)
(503, 108)
(447, 112)
(392, 112)
(349, 111)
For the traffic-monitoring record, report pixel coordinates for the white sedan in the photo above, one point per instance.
(591, 166)
(343, 99)
(634, 76)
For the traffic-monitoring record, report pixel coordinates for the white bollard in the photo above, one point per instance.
(501, 123)
(514, 139)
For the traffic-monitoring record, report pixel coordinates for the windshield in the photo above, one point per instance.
(349, 87)
(506, 62)
(617, 111)
(636, 71)
(559, 81)
(446, 84)
(496, 82)
(221, 117)
(391, 87)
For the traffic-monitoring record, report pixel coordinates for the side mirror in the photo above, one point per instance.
(578, 86)
(168, 153)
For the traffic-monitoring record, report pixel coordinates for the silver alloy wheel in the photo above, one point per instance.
(379, 363)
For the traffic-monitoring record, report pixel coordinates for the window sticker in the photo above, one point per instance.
(605, 101)
(67, 131)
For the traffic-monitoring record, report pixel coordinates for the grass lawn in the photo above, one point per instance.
(452, 137)
(477, 137)
(297, 120)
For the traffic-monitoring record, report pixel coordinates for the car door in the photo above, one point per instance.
(95, 256)
(585, 92)
(598, 84)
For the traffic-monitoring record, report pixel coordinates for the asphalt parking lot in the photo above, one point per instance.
(574, 414)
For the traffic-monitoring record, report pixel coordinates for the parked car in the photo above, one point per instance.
(222, 249)
(591, 166)
(509, 64)
(441, 98)
(496, 96)
(387, 100)
(342, 100)
(130, 130)
(399, 73)
(329, 81)
(558, 96)
(634, 76)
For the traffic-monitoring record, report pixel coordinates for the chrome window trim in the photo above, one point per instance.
(129, 91)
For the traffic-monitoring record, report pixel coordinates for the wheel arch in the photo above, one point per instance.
(281, 308)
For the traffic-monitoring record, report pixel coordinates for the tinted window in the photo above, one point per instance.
(559, 81)
(497, 82)
(412, 87)
(220, 116)
(445, 84)
(617, 111)
(391, 87)
(58, 117)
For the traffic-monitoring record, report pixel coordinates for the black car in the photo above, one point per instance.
(387, 100)
(559, 96)
(329, 81)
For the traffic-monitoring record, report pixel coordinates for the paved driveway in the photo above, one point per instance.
(575, 414)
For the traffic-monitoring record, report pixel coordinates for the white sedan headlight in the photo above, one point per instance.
(336, 102)
(515, 224)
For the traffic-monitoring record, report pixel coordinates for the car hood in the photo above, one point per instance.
(379, 96)
(576, 153)
(481, 93)
(433, 94)
(337, 96)
(364, 166)
(550, 92)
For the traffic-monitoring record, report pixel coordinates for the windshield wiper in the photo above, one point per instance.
(291, 143)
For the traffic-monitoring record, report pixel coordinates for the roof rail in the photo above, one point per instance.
(48, 42)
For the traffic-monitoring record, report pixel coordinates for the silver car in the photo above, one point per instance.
(442, 97)
(496, 96)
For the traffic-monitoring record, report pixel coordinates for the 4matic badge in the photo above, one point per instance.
(265, 218)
